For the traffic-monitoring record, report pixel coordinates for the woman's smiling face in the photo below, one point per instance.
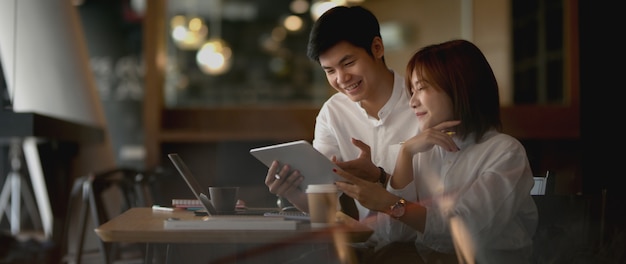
(430, 104)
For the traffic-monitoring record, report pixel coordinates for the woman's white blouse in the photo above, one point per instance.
(485, 186)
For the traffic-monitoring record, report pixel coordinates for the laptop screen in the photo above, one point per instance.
(191, 181)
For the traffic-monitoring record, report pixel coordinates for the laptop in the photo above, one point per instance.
(221, 222)
(197, 190)
(193, 184)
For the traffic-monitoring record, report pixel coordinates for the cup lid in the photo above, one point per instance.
(321, 188)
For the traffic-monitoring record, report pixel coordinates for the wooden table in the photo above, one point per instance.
(143, 225)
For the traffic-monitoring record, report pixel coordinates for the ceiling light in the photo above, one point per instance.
(319, 7)
(188, 32)
(214, 57)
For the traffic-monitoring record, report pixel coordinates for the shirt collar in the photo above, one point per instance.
(396, 95)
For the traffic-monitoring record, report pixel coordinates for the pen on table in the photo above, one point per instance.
(162, 208)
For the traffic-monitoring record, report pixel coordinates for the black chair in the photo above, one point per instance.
(569, 227)
(99, 197)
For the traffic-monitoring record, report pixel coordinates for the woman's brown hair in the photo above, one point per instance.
(460, 69)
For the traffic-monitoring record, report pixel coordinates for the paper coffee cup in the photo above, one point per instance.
(323, 204)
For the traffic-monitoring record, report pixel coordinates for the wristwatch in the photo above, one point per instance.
(398, 209)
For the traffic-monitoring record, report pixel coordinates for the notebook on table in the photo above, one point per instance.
(225, 222)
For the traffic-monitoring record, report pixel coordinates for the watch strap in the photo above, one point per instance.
(382, 178)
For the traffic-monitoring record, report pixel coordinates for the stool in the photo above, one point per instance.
(14, 189)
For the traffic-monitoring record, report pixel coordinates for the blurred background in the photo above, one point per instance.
(210, 79)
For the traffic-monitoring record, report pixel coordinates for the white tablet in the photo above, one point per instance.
(300, 155)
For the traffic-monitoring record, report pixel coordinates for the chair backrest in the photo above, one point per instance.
(97, 198)
(569, 226)
(113, 192)
(566, 231)
(544, 184)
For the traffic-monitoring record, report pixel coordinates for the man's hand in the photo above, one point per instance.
(362, 166)
(285, 183)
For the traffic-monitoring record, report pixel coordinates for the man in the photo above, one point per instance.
(370, 107)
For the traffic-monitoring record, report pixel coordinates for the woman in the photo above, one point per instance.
(460, 184)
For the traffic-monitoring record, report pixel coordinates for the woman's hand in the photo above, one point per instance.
(372, 195)
(423, 141)
(428, 138)
(362, 166)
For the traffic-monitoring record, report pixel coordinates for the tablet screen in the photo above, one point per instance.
(300, 155)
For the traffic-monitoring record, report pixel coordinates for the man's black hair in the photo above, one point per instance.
(355, 24)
